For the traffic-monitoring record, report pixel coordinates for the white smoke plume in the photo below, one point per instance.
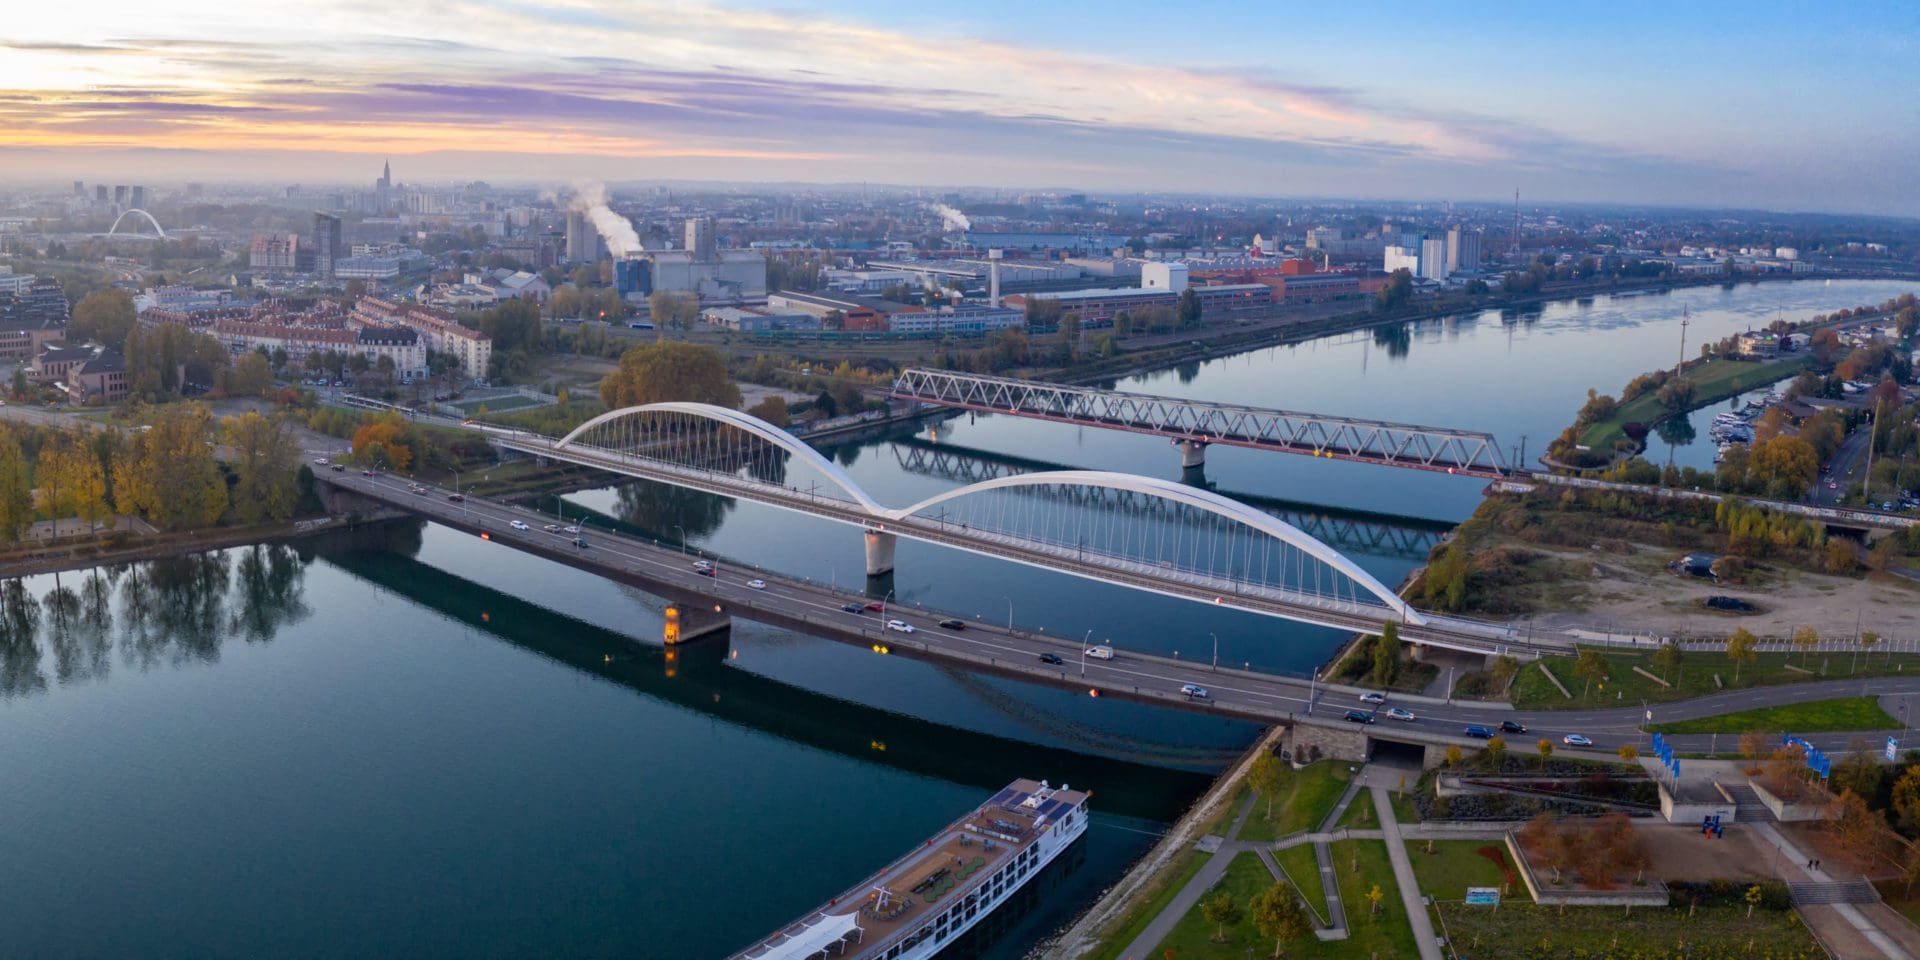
(591, 199)
(951, 220)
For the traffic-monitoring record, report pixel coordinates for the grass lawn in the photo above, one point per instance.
(1521, 931)
(1694, 678)
(1300, 867)
(1359, 815)
(1894, 892)
(1454, 865)
(1384, 934)
(1713, 382)
(1154, 900)
(1817, 716)
(1305, 799)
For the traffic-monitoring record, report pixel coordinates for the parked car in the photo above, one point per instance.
(519, 525)
(1576, 740)
(900, 625)
(757, 584)
(1051, 658)
(1371, 697)
(1101, 652)
(1479, 732)
(953, 623)
(1512, 726)
(1194, 691)
(1401, 713)
(1359, 716)
(1723, 602)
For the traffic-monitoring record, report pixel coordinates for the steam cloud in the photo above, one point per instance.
(591, 199)
(951, 219)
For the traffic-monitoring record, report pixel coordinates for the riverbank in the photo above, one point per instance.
(112, 548)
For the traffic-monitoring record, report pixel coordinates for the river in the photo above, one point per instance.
(400, 741)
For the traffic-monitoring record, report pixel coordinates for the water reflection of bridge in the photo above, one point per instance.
(1358, 531)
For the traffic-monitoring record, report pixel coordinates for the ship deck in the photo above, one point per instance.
(916, 888)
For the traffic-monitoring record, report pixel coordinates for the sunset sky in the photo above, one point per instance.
(1785, 106)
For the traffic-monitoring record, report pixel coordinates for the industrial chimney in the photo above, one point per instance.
(993, 276)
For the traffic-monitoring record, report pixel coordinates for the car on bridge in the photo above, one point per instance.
(953, 623)
(1102, 652)
(1194, 691)
(757, 584)
(338, 468)
(1576, 740)
(1479, 732)
(900, 626)
(1051, 658)
(1359, 716)
(1401, 713)
(571, 529)
(551, 528)
(1512, 726)
(852, 608)
(457, 497)
(703, 565)
(1373, 698)
(875, 606)
(519, 525)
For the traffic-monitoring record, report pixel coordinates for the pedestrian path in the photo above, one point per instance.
(1799, 862)
(1188, 896)
(1423, 937)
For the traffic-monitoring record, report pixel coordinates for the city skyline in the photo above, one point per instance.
(1775, 107)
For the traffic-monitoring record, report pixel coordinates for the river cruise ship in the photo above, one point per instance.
(919, 904)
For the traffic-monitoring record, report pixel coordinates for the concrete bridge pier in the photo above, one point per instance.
(1193, 453)
(691, 621)
(880, 552)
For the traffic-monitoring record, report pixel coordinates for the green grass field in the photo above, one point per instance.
(1694, 677)
(1165, 886)
(1454, 865)
(1713, 381)
(1817, 716)
(1382, 934)
(1523, 931)
(1385, 934)
(1305, 799)
(1304, 871)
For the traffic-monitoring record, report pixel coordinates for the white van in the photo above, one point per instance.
(1101, 652)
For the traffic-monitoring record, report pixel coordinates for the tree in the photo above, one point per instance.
(670, 370)
(1589, 666)
(73, 479)
(1266, 776)
(513, 325)
(382, 442)
(1753, 899)
(1188, 311)
(1221, 911)
(1785, 465)
(266, 467)
(1374, 896)
(1667, 658)
(1386, 654)
(1397, 290)
(167, 472)
(1453, 755)
(103, 316)
(1806, 638)
(772, 409)
(1740, 649)
(1496, 750)
(1628, 752)
(1503, 670)
(1278, 915)
(16, 488)
(251, 375)
(1906, 801)
(1545, 746)
(1868, 638)
(673, 311)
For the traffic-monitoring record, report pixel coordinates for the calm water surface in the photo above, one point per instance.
(404, 742)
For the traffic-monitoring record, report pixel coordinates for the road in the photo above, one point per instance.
(820, 609)
(1845, 469)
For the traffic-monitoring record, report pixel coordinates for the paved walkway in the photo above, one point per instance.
(1417, 916)
(1796, 861)
(1183, 901)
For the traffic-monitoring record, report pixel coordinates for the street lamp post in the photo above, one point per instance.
(883, 609)
(683, 538)
(1083, 652)
(1009, 601)
(1216, 650)
(1311, 685)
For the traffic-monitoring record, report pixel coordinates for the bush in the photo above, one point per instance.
(1728, 893)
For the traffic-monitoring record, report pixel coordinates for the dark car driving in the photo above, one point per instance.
(1359, 716)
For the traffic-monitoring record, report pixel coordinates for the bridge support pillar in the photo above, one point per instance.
(690, 621)
(1193, 453)
(880, 552)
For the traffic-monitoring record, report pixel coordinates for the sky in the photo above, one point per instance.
(1791, 106)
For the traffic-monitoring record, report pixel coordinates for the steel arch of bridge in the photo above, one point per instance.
(1340, 438)
(1203, 500)
(149, 218)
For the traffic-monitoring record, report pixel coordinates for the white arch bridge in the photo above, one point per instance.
(159, 231)
(1190, 543)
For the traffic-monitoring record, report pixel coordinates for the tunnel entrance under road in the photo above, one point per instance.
(1393, 753)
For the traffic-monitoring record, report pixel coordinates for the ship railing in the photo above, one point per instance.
(975, 828)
